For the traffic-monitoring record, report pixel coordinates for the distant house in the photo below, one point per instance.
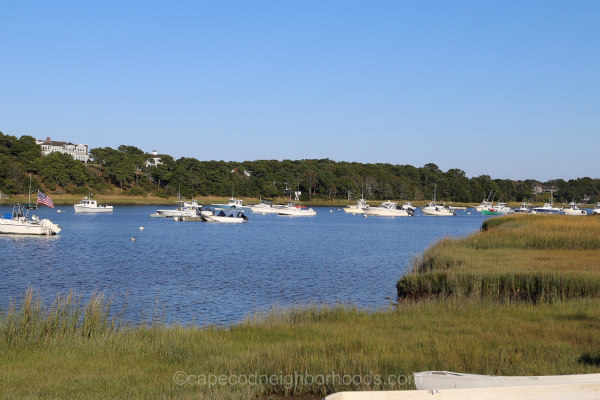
(539, 189)
(155, 159)
(586, 199)
(77, 151)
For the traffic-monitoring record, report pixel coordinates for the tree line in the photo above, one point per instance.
(124, 170)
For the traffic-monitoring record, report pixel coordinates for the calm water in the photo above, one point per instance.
(212, 273)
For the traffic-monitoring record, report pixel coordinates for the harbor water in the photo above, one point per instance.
(194, 272)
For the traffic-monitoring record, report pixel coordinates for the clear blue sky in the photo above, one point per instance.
(510, 89)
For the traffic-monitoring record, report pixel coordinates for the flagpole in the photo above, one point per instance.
(29, 198)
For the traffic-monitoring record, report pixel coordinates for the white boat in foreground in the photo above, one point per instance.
(432, 380)
(596, 210)
(87, 205)
(387, 209)
(18, 222)
(579, 391)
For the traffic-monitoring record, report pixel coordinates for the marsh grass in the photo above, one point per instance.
(520, 257)
(114, 360)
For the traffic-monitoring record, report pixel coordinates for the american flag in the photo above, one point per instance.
(45, 200)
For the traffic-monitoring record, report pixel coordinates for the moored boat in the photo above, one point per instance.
(358, 208)
(294, 210)
(18, 222)
(596, 210)
(225, 217)
(184, 209)
(265, 207)
(234, 203)
(387, 209)
(574, 209)
(89, 206)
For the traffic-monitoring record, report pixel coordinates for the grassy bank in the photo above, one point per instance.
(75, 350)
(519, 257)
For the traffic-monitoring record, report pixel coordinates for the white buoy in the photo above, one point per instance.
(330, 211)
(133, 239)
(141, 228)
(365, 215)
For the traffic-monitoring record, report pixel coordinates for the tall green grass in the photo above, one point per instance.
(125, 361)
(521, 257)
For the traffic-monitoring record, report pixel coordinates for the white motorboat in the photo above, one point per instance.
(525, 208)
(596, 210)
(18, 222)
(234, 203)
(184, 209)
(294, 210)
(265, 207)
(88, 205)
(548, 208)
(224, 216)
(501, 208)
(437, 210)
(359, 208)
(433, 380)
(485, 205)
(574, 209)
(387, 209)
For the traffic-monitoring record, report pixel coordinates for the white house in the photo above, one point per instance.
(154, 160)
(77, 151)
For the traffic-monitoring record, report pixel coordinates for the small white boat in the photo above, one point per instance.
(596, 210)
(437, 210)
(387, 209)
(432, 380)
(501, 208)
(548, 208)
(265, 207)
(574, 209)
(358, 208)
(87, 205)
(184, 209)
(18, 222)
(294, 210)
(525, 208)
(224, 217)
(234, 203)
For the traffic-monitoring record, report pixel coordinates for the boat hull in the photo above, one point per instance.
(297, 212)
(15, 227)
(375, 212)
(432, 380)
(354, 210)
(92, 210)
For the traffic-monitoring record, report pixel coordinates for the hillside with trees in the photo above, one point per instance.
(124, 171)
